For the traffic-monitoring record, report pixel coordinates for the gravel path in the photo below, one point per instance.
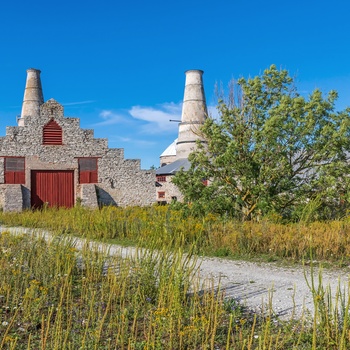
(259, 285)
(255, 285)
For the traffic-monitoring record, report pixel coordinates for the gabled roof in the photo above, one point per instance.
(174, 167)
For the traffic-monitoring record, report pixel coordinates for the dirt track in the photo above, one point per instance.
(258, 285)
(255, 285)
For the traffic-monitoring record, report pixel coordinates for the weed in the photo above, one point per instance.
(53, 296)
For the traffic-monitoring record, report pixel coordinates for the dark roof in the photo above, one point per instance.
(174, 167)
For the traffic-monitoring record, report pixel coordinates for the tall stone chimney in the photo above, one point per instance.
(194, 113)
(33, 96)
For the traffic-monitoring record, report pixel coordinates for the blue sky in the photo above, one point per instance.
(119, 65)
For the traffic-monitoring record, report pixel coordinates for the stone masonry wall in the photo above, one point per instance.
(115, 174)
(120, 181)
(88, 195)
(12, 197)
(170, 190)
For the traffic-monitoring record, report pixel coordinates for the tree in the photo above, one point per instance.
(271, 150)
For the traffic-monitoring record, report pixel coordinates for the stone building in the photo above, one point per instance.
(175, 157)
(48, 159)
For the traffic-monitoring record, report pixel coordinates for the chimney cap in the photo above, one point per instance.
(33, 70)
(194, 70)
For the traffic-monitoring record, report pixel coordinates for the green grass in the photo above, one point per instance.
(211, 235)
(55, 297)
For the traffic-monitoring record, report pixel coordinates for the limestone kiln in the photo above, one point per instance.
(48, 159)
(175, 157)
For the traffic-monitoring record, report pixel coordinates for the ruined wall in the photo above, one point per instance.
(125, 181)
(120, 181)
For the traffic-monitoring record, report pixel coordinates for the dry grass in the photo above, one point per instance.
(210, 235)
(55, 297)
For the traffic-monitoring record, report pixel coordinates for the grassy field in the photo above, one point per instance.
(162, 226)
(55, 297)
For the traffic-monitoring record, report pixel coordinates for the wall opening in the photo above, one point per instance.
(54, 188)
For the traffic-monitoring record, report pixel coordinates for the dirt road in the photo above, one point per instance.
(284, 288)
(255, 285)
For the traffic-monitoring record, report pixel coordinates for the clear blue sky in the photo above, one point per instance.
(119, 65)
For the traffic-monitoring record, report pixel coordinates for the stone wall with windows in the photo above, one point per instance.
(166, 190)
(120, 181)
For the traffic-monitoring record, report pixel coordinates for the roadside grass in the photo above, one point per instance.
(266, 240)
(55, 297)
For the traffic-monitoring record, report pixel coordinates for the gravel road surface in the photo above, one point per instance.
(258, 285)
(255, 285)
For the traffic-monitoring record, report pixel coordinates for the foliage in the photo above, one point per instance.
(271, 150)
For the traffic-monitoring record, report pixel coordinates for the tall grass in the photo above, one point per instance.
(55, 297)
(210, 235)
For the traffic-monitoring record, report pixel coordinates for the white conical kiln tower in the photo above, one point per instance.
(33, 96)
(194, 113)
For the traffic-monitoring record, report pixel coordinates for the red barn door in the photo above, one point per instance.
(54, 187)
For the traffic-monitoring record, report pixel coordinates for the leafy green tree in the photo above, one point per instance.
(271, 150)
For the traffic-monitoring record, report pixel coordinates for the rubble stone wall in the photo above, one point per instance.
(171, 191)
(121, 181)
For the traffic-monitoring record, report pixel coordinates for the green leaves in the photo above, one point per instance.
(271, 150)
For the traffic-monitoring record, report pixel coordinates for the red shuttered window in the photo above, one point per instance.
(161, 195)
(14, 170)
(88, 170)
(52, 133)
(161, 178)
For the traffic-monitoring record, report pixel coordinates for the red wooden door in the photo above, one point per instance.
(54, 187)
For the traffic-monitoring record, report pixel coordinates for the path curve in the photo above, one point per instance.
(255, 285)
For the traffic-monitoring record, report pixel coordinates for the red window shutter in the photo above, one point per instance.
(161, 194)
(88, 170)
(20, 178)
(9, 177)
(14, 170)
(93, 176)
(84, 177)
(52, 133)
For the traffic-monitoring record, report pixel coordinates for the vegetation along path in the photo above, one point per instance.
(258, 286)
